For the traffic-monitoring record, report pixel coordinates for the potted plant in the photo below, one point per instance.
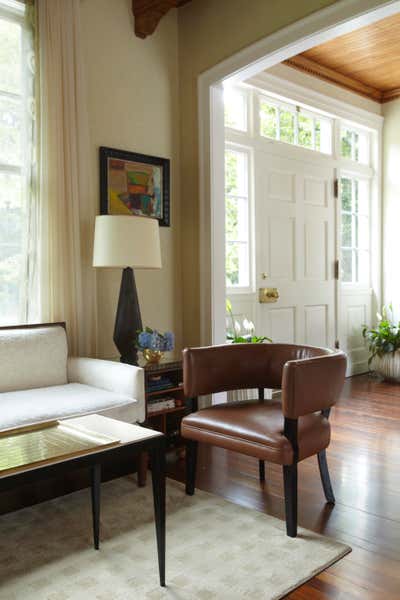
(153, 344)
(384, 345)
(235, 335)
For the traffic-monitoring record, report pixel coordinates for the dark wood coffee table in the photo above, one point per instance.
(52, 448)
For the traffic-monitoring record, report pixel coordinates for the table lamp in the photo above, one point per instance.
(128, 242)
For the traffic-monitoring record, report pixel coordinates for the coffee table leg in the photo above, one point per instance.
(96, 481)
(158, 480)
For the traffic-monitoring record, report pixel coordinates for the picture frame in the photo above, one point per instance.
(134, 184)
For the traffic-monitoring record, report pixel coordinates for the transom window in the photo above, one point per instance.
(355, 256)
(354, 144)
(295, 125)
(237, 219)
(235, 106)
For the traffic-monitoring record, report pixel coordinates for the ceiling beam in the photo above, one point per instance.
(311, 67)
(148, 14)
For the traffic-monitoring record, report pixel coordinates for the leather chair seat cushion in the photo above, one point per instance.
(256, 429)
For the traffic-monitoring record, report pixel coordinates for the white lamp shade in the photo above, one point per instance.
(126, 241)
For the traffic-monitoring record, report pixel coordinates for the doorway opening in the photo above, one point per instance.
(295, 246)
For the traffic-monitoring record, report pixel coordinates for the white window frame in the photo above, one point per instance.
(235, 147)
(296, 108)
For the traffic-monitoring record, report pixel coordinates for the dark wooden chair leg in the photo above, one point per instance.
(261, 470)
(158, 482)
(143, 463)
(325, 478)
(290, 485)
(191, 464)
(96, 482)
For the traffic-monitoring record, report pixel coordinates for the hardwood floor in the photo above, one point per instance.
(364, 462)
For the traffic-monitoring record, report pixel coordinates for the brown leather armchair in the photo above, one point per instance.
(283, 432)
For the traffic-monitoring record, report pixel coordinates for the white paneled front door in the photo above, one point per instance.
(295, 249)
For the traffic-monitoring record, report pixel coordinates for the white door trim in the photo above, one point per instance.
(319, 27)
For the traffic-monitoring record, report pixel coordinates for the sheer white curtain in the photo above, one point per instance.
(66, 208)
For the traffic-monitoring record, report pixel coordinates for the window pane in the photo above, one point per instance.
(10, 56)
(231, 219)
(286, 126)
(236, 173)
(232, 265)
(347, 230)
(237, 264)
(346, 143)
(346, 266)
(235, 109)
(268, 119)
(10, 131)
(306, 128)
(12, 236)
(345, 193)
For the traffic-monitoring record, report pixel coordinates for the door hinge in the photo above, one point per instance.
(336, 270)
(337, 345)
(336, 188)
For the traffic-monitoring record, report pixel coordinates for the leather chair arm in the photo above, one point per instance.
(312, 384)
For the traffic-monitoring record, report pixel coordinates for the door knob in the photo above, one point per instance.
(266, 295)
(264, 276)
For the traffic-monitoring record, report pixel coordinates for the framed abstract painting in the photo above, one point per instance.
(134, 184)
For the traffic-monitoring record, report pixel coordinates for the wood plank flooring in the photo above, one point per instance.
(364, 462)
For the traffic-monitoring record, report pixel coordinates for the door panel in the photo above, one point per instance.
(295, 249)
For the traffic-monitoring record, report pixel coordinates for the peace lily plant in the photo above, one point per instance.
(235, 335)
(384, 345)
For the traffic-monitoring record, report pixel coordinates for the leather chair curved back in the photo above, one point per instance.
(227, 367)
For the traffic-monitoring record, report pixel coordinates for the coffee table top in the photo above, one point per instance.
(27, 448)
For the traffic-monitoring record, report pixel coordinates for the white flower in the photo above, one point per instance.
(379, 316)
(237, 327)
(248, 325)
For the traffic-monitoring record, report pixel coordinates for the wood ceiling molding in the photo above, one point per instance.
(365, 61)
(148, 14)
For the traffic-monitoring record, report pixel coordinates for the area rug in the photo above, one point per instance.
(215, 549)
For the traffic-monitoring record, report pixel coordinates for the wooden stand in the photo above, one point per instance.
(168, 420)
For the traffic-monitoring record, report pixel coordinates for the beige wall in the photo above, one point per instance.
(133, 105)
(391, 204)
(210, 31)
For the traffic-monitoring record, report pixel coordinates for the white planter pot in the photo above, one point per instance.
(388, 366)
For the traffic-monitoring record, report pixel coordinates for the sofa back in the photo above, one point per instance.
(32, 357)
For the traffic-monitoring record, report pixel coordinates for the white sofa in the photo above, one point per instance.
(39, 382)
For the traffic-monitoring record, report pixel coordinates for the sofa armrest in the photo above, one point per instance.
(119, 378)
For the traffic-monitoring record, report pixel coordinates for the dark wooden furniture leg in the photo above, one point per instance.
(158, 480)
(261, 469)
(290, 484)
(325, 478)
(143, 463)
(96, 482)
(191, 464)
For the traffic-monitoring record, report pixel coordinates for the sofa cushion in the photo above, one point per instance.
(32, 358)
(27, 407)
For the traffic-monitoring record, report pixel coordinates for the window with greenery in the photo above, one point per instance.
(354, 144)
(237, 249)
(235, 106)
(355, 244)
(14, 158)
(294, 125)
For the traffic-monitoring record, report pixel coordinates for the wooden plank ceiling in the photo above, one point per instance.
(366, 61)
